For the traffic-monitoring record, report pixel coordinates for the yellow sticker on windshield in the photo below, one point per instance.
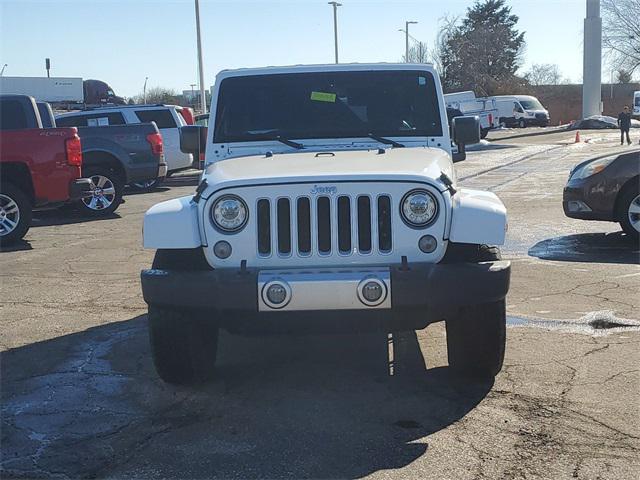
(323, 97)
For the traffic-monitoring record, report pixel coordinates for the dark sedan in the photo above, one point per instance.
(606, 188)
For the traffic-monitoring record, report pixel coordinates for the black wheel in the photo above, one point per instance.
(184, 344)
(630, 212)
(484, 132)
(15, 213)
(522, 123)
(107, 189)
(476, 339)
(147, 185)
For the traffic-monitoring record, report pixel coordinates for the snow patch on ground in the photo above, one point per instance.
(596, 324)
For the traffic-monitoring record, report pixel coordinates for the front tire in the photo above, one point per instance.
(484, 132)
(184, 345)
(476, 339)
(522, 123)
(15, 214)
(630, 212)
(107, 188)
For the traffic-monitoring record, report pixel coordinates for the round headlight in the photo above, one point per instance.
(419, 208)
(229, 213)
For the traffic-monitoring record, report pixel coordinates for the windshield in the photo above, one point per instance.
(531, 104)
(638, 101)
(327, 105)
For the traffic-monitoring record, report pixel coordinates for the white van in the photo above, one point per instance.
(636, 105)
(521, 110)
(168, 118)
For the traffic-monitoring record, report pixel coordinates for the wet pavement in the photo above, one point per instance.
(80, 397)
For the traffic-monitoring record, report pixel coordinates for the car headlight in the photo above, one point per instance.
(229, 213)
(419, 208)
(591, 168)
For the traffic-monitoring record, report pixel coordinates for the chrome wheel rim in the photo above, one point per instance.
(633, 212)
(103, 193)
(9, 215)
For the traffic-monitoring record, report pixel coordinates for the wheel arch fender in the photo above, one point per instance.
(172, 224)
(96, 157)
(478, 217)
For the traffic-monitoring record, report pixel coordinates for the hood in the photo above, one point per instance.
(409, 164)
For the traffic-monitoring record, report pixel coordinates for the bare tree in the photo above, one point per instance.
(158, 95)
(621, 33)
(624, 76)
(543, 74)
(418, 53)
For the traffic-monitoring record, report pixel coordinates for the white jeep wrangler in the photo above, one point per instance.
(328, 203)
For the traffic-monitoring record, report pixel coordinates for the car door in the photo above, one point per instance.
(169, 125)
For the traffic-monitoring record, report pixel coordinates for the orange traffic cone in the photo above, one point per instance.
(577, 136)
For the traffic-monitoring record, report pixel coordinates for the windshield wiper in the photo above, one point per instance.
(290, 143)
(386, 141)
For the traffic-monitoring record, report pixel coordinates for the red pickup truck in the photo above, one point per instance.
(38, 167)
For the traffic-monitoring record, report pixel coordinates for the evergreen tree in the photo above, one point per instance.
(483, 52)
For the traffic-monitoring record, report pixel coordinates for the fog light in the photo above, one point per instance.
(276, 294)
(372, 291)
(578, 206)
(427, 243)
(222, 249)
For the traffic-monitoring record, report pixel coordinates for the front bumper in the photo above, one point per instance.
(79, 188)
(578, 203)
(420, 294)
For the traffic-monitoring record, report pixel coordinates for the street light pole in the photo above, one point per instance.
(203, 98)
(406, 40)
(193, 95)
(335, 26)
(144, 91)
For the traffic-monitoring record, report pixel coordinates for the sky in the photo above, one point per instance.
(122, 42)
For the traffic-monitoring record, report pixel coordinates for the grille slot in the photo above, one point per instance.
(364, 224)
(284, 226)
(344, 224)
(324, 225)
(304, 226)
(264, 227)
(384, 223)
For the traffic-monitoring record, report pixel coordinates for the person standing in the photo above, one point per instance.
(624, 122)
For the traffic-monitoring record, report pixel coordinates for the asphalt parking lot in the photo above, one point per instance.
(80, 397)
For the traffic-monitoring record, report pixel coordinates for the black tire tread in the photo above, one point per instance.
(627, 196)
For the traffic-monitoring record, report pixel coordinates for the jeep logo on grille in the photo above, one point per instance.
(321, 190)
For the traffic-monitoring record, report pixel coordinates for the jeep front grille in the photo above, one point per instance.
(324, 224)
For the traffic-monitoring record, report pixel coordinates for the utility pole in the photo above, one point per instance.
(144, 91)
(335, 26)
(47, 65)
(592, 65)
(406, 40)
(203, 98)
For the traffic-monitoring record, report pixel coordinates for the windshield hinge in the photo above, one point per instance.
(444, 178)
(201, 188)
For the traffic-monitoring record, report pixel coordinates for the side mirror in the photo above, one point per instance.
(193, 139)
(466, 131)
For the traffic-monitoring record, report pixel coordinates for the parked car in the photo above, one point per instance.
(310, 218)
(606, 188)
(37, 169)
(521, 111)
(168, 118)
(636, 105)
(485, 108)
(118, 155)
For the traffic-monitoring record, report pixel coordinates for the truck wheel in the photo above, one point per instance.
(107, 190)
(484, 132)
(476, 339)
(147, 185)
(15, 214)
(630, 212)
(183, 345)
(522, 123)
